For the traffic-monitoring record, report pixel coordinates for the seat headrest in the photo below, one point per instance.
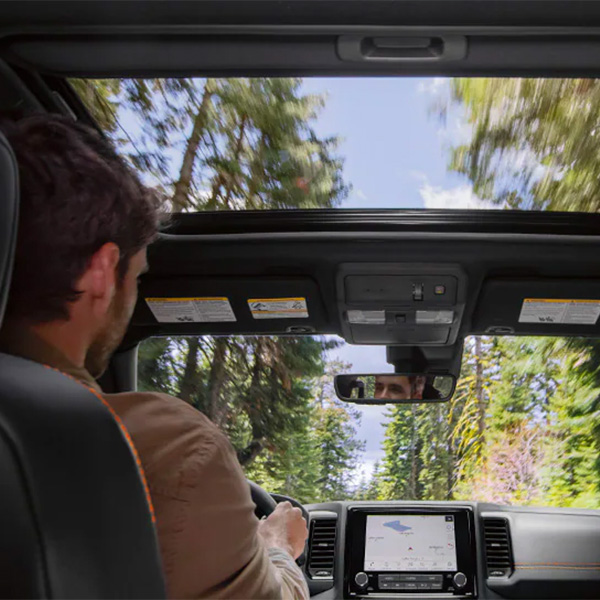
(9, 203)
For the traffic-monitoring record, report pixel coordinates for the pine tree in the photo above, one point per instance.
(402, 465)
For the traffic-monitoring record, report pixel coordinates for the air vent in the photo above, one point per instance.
(498, 549)
(321, 548)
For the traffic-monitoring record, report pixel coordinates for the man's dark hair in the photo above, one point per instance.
(77, 194)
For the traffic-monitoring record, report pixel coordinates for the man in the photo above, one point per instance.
(85, 221)
(399, 387)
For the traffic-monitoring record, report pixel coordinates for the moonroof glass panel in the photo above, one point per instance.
(367, 143)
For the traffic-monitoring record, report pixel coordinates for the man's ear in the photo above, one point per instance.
(100, 279)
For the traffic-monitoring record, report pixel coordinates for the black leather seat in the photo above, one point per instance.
(74, 515)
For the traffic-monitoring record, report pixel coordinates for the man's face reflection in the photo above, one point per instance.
(398, 387)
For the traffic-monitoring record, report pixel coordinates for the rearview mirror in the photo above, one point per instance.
(394, 388)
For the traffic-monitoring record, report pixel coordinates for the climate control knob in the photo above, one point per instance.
(361, 579)
(459, 580)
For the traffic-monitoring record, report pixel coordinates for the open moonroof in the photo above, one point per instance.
(364, 143)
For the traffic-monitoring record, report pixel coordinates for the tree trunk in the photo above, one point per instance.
(239, 144)
(189, 381)
(414, 458)
(222, 178)
(214, 192)
(182, 186)
(479, 391)
(248, 454)
(451, 468)
(257, 172)
(255, 447)
(216, 408)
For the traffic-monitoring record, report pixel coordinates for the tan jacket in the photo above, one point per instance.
(205, 518)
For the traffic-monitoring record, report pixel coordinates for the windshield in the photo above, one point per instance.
(522, 428)
(524, 424)
(394, 143)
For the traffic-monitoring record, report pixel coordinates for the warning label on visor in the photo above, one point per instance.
(191, 310)
(278, 308)
(560, 312)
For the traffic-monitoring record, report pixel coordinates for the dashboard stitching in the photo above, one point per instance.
(558, 568)
(560, 564)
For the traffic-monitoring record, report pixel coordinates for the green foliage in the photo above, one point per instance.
(334, 439)
(534, 141)
(403, 446)
(100, 96)
(522, 428)
(156, 372)
(222, 144)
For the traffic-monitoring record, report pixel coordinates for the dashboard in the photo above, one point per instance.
(451, 550)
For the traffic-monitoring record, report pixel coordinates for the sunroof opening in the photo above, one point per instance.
(361, 143)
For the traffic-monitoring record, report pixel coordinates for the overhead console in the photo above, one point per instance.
(400, 303)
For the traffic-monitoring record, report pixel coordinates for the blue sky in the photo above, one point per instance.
(395, 150)
(396, 155)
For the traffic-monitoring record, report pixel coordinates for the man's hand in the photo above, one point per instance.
(285, 528)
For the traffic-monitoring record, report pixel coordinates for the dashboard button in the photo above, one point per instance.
(422, 585)
(361, 579)
(433, 578)
(460, 580)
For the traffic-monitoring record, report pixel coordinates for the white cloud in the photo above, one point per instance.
(457, 131)
(460, 197)
(360, 195)
(432, 86)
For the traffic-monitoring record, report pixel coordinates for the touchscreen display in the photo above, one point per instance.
(410, 543)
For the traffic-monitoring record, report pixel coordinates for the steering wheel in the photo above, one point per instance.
(266, 503)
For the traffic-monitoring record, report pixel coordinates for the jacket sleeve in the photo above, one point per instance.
(293, 584)
(210, 542)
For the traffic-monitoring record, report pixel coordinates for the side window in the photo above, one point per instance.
(274, 399)
(520, 429)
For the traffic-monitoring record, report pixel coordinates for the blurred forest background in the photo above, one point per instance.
(524, 424)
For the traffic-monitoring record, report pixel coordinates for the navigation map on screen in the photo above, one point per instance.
(410, 543)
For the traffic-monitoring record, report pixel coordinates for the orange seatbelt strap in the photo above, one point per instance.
(125, 433)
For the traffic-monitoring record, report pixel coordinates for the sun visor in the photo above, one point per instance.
(229, 306)
(562, 307)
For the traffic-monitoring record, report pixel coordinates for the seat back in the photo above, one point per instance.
(9, 203)
(75, 514)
